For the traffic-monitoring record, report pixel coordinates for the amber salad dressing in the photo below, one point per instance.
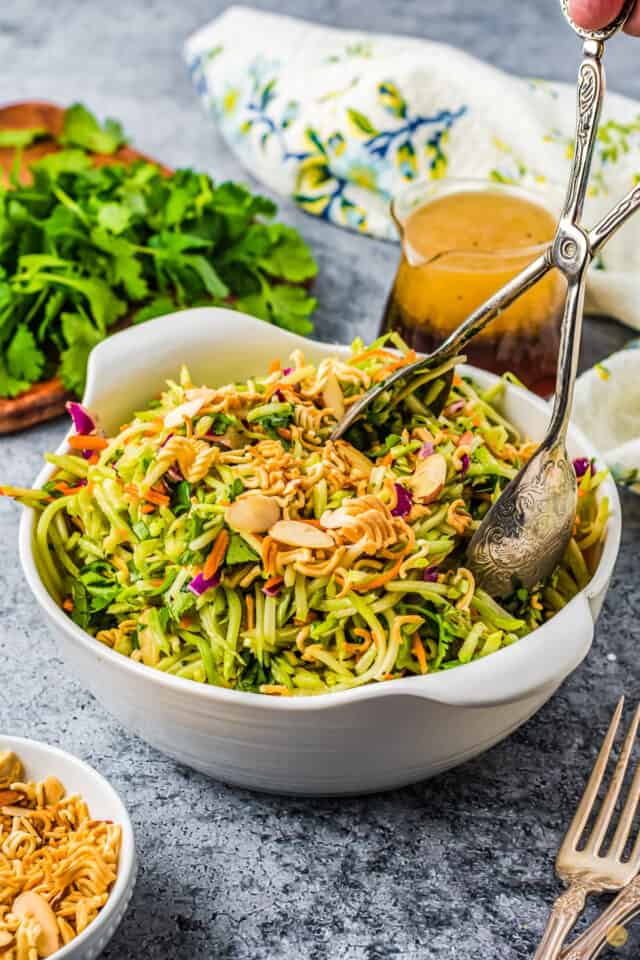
(458, 249)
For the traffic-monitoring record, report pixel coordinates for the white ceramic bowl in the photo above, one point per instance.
(41, 761)
(371, 738)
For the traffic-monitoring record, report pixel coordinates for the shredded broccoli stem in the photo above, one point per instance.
(346, 572)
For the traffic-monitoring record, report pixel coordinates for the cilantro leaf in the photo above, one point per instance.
(221, 422)
(239, 551)
(289, 257)
(233, 489)
(24, 358)
(81, 337)
(81, 129)
(291, 307)
(157, 308)
(23, 138)
(86, 246)
(67, 161)
(11, 386)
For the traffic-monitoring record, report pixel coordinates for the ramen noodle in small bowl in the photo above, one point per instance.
(59, 863)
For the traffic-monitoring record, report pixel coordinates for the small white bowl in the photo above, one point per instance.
(41, 761)
(374, 737)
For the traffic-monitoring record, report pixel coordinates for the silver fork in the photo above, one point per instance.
(590, 869)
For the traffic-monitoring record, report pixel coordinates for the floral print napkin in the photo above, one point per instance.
(341, 120)
(607, 410)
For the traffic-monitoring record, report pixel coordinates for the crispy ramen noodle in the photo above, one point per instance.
(222, 536)
(57, 865)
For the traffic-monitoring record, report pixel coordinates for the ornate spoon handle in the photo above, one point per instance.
(611, 223)
(624, 908)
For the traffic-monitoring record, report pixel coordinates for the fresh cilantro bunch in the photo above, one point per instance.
(85, 248)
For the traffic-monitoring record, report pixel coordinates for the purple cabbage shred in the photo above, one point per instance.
(200, 585)
(403, 502)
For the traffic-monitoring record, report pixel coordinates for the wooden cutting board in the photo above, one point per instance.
(44, 400)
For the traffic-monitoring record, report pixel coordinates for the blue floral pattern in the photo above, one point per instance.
(333, 172)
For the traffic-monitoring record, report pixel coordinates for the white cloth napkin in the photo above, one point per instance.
(341, 120)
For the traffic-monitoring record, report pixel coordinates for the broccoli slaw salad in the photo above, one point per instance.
(222, 537)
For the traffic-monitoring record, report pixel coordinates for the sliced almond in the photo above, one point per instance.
(334, 519)
(297, 534)
(11, 769)
(5, 939)
(32, 904)
(8, 797)
(355, 457)
(429, 478)
(333, 396)
(253, 514)
(185, 411)
(53, 790)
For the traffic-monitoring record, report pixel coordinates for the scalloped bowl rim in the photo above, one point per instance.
(436, 684)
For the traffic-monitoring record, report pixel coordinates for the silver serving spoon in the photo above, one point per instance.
(524, 535)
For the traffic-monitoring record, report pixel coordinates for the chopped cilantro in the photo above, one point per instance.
(233, 489)
(84, 248)
(221, 423)
(23, 138)
(181, 500)
(239, 551)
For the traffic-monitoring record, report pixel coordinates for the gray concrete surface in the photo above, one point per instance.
(459, 867)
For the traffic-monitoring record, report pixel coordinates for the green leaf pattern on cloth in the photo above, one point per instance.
(342, 120)
(607, 410)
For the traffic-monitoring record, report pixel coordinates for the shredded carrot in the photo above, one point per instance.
(156, 582)
(387, 460)
(385, 372)
(274, 365)
(273, 582)
(248, 601)
(93, 459)
(457, 380)
(67, 604)
(381, 579)
(466, 438)
(147, 508)
(65, 489)
(131, 489)
(216, 556)
(269, 392)
(372, 352)
(80, 442)
(186, 622)
(417, 649)
(154, 496)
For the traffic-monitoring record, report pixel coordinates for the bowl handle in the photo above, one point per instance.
(217, 344)
(537, 662)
